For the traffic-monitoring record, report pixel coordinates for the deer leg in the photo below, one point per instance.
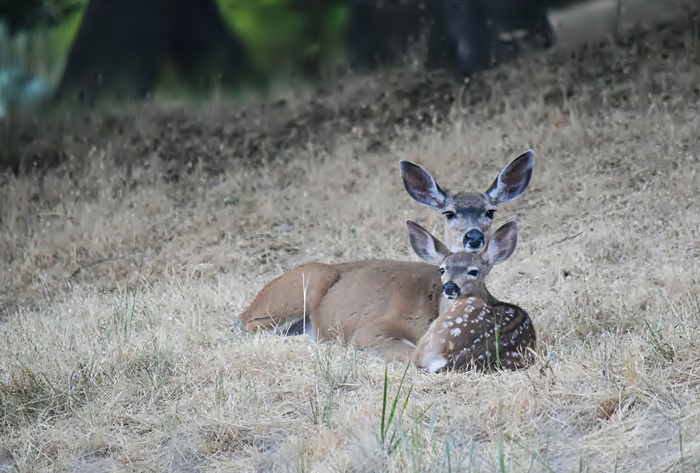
(393, 349)
(287, 303)
(386, 339)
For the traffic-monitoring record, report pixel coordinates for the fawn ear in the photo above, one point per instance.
(421, 186)
(426, 246)
(502, 244)
(513, 179)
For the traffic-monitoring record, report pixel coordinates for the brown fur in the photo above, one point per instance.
(379, 305)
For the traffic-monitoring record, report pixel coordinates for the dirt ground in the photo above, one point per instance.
(132, 239)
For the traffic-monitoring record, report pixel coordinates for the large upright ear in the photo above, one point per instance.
(426, 246)
(513, 179)
(421, 186)
(502, 244)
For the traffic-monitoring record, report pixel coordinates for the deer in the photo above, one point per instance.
(473, 330)
(381, 305)
(468, 215)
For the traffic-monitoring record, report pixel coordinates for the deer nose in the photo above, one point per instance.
(473, 239)
(450, 289)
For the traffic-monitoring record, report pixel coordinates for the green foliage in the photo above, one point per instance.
(29, 396)
(332, 379)
(659, 344)
(28, 15)
(284, 39)
(287, 35)
(32, 59)
(392, 415)
(63, 33)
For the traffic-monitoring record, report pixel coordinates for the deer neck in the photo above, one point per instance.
(480, 292)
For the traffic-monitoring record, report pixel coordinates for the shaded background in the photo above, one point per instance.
(56, 55)
(86, 50)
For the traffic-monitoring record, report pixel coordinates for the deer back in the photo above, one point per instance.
(473, 334)
(377, 301)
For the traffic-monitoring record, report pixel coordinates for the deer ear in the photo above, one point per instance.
(502, 244)
(513, 179)
(421, 186)
(426, 246)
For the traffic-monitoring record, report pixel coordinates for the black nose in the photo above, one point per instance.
(450, 289)
(474, 239)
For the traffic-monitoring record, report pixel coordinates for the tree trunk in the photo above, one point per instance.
(122, 47)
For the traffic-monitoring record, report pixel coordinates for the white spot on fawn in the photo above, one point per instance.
(455, 331)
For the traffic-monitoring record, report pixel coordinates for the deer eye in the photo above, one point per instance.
(489, 213)
(442, 271)
(449, 215)
(473, 273)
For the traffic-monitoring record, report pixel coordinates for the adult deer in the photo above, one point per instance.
(468, 215)
(473, 329)
(383, 306)
(380, 304)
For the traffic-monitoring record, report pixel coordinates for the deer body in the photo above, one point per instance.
(384, 306)
(479, 335)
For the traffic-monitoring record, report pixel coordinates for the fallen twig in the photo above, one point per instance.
(566, 238)
(95, 263)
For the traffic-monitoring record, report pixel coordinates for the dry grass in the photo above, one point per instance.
(120, 297)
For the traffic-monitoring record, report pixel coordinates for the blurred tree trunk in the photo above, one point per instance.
(381, 33)
(123, 46)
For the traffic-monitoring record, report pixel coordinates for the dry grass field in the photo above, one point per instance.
(121, 286)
